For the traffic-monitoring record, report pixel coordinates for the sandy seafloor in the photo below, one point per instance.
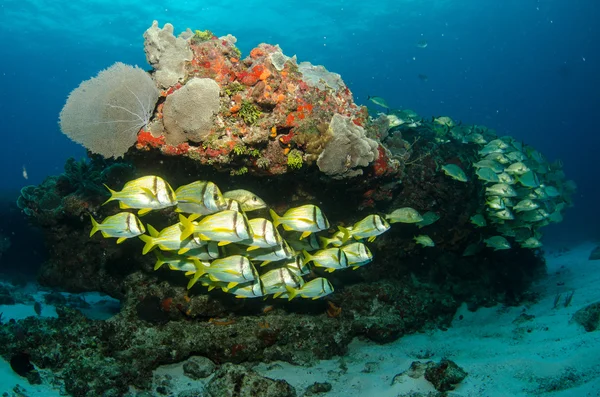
(546, 355)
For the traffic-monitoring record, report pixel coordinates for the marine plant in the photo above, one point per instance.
(249, 112)
(294, 159)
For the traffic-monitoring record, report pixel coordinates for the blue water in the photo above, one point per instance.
(527, 68)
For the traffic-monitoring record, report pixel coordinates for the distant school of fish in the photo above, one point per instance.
(218, 246)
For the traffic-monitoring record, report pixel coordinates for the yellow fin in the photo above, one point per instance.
(193, 217)
(305, 234)
(153, 232)
(189, 273)
(252, 248)
(287, 228)
(329, 269)
(95, 226)
(211, 287)
(104, 234)
(346, 234)
(144, 211)
(291, 292)
(182, 251)
(277, 295)
(265, 263)
(241, 297)
(113, 194)
(275, 217)
(222, 243)
(232, 284)
(188, 227)
(121, 239)
(371, 239)
(150, 244)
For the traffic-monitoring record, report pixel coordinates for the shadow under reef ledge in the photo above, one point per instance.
(406, 289)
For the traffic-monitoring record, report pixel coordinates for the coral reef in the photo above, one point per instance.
(292, 135)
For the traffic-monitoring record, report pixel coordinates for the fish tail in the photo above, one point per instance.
(306, 257)
(188, 227)
(114, 195)
(292, 292)
(325, 241)
(150, 244)
(95, 226)
(159, 261)
(275, 217)
(346, 233)
(153, 232)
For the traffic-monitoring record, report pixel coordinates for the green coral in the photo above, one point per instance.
(202, 35)
(240, 150)
(249, 112)
(294, 159)
(240, 171)
(234, 88)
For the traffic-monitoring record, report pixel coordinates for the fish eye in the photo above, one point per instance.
(215, 196)
(254, 198)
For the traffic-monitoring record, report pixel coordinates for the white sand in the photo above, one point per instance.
(547, 355)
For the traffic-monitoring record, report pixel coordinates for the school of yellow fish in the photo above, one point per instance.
(217, 243)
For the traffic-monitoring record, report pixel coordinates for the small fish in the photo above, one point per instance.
(487, 174)
(429, 218)
(234, 270)
(334, 241)
(207, 252)
(528, 179)
(424, 240)
(455, 172)
(517, 169)
(378, 101)
(251, 290)
(369, 227)
(495, 202)
(497, 157)
(264, 234)
(225, 227)
(272, 254)
(306, 219)
(357, 255)
(422, 44)
(200, 197)
(146, 193)
(394, 121)
(534, 215)
(501, 189)
(331, 259)
(506, 178)
(298, 266)
(444, 120)
(478, 220)
(476, 138)
(175, 262)
(531, 242)
(551, 191)
(404, 215)
(516, 156)
(275, 281)
(504, 214)
(169, 239)
(248, 200)
(494, 165)
(497, 243)
(423, 77)
(314, 289)
(123, 225)
(526, 205)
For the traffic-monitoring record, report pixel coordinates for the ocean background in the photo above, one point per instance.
(526, 68)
